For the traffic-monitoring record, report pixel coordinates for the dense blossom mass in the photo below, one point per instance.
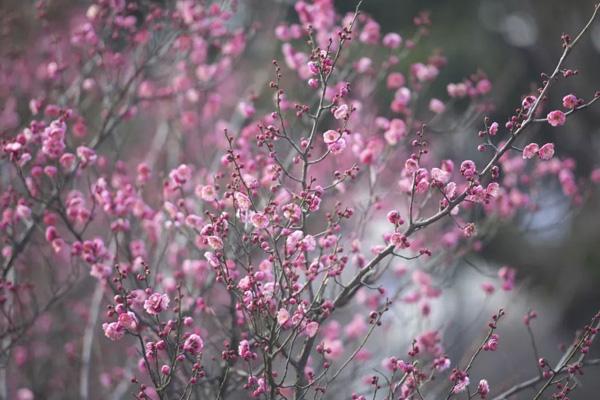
(170, 231)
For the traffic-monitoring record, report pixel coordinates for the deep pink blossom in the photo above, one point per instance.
(556, 118)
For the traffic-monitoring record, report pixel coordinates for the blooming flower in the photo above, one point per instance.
(180, 175)
(86, 155)
(461, 384)
(439, 175)
(556, 118)
(468, 169)
(546, 152)
(128, 320)
(530, 151)
(259, 220)
(331, 136)
(341, 112)
(569, 101)
(528, 102)
(156, 303)
(311, 328)
(244, 350)
(243, 201)
(207, 193)
(215, 242)
(114, 331)
(193, 344)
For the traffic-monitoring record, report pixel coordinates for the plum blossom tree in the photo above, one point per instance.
(168, 233)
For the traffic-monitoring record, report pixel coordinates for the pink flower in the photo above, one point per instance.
(311, 329)
(397, 130)
(313, 67)
(399, 240)
(457, 90)
(530, 151)
(395, 80)
(468, 169)
(53, 137)
(507, 275)
(243, 202)
(370, 33)
(341, 112)
(244, 350)
(259, 220)
(24, 394)
(469, 230)
(215, 242)
(86, 155)
(424, 72)
(363, 65)
(487, 288)
(212, 259)
(436, 106)
(461, 384)
(569, 101)
(67, 161)
(411, 165)
(483, 388)
(528, 102)
(308, 243)
(595, 175)
(357, 327)
(338, 146)
(556, 118)
(484, 86)
(193, 344)
(331, 136)
(246, 109)
(441, 363)
(334, 348)
(207, 193)
(493, 130)
(23, 212)
(335, 143)
(180, 175)
(546, 152)
(114, 331)
(492, 343)
(439, 175)
(128, 320)
(156, 303)
(283, 316)
(392, 40)
(394, 217)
